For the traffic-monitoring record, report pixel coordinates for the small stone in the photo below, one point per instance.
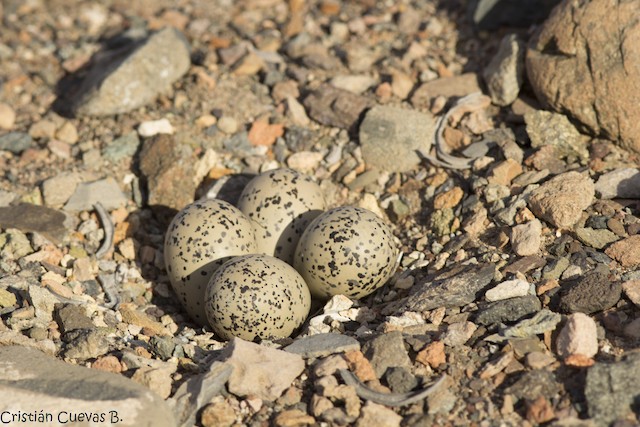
(59, 148)
(526, 238)
(543, 321)
(335, 107)
(292, 418)
(626, 251)
(107, 364)
(401, 84)
(458, 333)
(540, 410)
(7, 299)
(321, 345)
(43, 129)
(86, 195)
(154, 127)
(385, 351)
(163, 347)
(549, 128)
(619, 183)
(15, 142)
(67, 133)
(127, 248)
(447, 87)
(7, 117)
(356, 83)
(378, 415)
(360, 365)
(400, 380)
(508, 310)
(593, 292)
(122, 148)
(57, 190)
(261, 371)
(218, 414)
(508, 289)
(263, 133)
(554, 269)
(595, 238)
(504, 172)
(296, 112)
(562, 199)
(631, 289)
(17, 243)
(330, 365)
(448, 199)
(135, 317)
(157, 380)
(85, 344)
(504, 74)
(432, 355)
(304, 161)
(532, 384)
(390, 136)
(72, 317)
(538, 359)
(578, 336)
(228, 125)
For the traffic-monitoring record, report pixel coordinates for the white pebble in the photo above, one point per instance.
(155, 127)
(508, 289)
(578, 336)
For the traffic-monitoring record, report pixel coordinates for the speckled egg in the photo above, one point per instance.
(280, 204)
(200, 239)
(256, 296)
(346, 250)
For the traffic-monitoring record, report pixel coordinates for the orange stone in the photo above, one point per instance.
(360, 365)
(432, 355)
(263, 133)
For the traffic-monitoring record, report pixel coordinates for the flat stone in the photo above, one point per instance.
(218, 414)
(539, 382)
(33, 218)
(526, 238)
(504, 74)
(612, 390)
(593, 292)
(106, 191)
(321, 345)
(454, 288)
(455, 86)
(356, 83)
(400, 379)
(32, 382)
(71, 317)
(335, 107)
(523, 265)
(546, 128)
(579, 335)
(130, 314)
(167, 165)
(133, 75)
(432, 355)
(157, 380)
(15, 142)
(619, 183)
(508, 289)
(595, 238)
(543, 321)
(562, 199)
(509, 310)
(86, 344)
(631, 289)
(58, 189)
(7, 116)
(385, 351)
(120, 148)
(390, 136)
(374, 414)
(154, 127)
(261, 371)
(626, 251)
(458, 333)
(504, 172)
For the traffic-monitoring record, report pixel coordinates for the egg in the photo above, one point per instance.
(280, 204)
(346, 250)
(256, 296)
(200, 239)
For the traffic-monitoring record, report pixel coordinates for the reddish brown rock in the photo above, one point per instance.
(585, 62)
(626, 251)
(336, 107)
(455, 86)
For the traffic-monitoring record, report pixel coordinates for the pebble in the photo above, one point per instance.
(546, 128)
(356, 83)
(43, 129)
(123, 147)
(43, 390)
(504, 74)
(458, 333)
(7, 117)
(400, 380)
(321, 345)
(595, 291)
(7, 299)
(611, 389)
(447, 87)
(335, 107)
(626, 251)
(261, 371)
(631, 289)
(432, 355)
(304, 161)
(595, 238)
(67, 133)
(448, 199)
(218, 414)
(134, 316)
(106, 191)
(390, 136)
(157, 380)
(562, 199)
(374, 414)
(262, 133)
(71, 317)
(504, 172)
(360, 365)
(330, 365)
(619, 183)
(579, 335)
(130, 82)
(83, 344)
(508, 310)
(15, 142)
(293, 417)
(450, 289)
(508, 289)
(385, 351)
(296, 112)
(155, 127)
(228, 125)
(526, 238)
(58, 189)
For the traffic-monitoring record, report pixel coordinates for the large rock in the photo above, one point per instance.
(585, 62)
(34, 384)
(124, 79)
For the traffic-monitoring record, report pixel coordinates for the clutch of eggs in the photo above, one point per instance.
(251, 271)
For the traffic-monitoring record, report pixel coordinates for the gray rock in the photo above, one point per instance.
(71, 317)
(32, 382)
(85, 344)
(122, 148)
(27, 217)
(390, 136)
(162, 346)
(593, 292)
(132, 76)
(554, 269)
(321, 345)
(58, 189)
(42, 301)
(547, 128)
(526, 238)
(335, 107)
(15, 142)
(596, 238)
(545, 320)
(533, 384)
(386, 351)
(509, 310)
(400, 379)
(87, 194)
(454, 288)
(612, 390)
(619, 183)
(504, 74)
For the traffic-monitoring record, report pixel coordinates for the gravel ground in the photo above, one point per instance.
(516, 297)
